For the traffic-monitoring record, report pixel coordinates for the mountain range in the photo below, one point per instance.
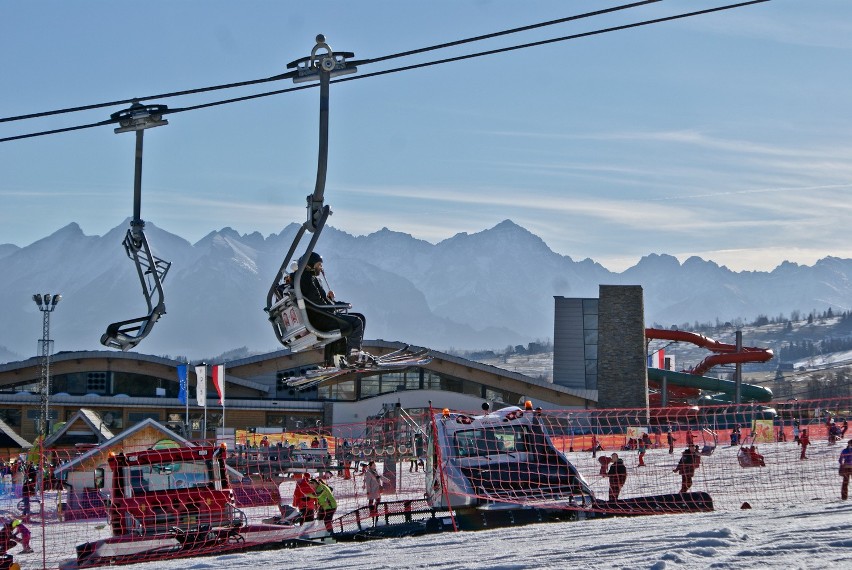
(488, 289)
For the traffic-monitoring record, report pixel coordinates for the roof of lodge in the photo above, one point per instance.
(239, 371)
(89, 418)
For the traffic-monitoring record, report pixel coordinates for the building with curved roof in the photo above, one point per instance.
(126, 388)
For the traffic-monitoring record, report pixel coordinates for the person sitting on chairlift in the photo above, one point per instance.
(351, 325)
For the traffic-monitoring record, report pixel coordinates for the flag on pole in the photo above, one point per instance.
(219, 382)
(657, 359)
(181, 372)
(201, 385)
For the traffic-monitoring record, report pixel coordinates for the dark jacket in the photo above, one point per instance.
(28, 488)
(687, 463)
(617, 472)
(312, 289)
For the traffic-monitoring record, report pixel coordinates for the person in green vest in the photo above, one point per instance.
(326, 503)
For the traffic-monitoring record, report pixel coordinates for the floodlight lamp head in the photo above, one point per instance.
(37, 299)
(46, 299)
(56, 298)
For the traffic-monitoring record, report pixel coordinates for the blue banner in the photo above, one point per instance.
(181, 371)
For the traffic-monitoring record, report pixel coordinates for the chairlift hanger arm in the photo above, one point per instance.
(322, 65)
(150, 269)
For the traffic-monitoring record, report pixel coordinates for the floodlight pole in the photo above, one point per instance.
(46, 304)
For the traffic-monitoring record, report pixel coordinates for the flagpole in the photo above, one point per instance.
(186, 401)
(222, 380)
(201, 394)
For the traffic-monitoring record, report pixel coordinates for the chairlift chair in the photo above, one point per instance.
(708, 449)
(746, 458)
(286, 307)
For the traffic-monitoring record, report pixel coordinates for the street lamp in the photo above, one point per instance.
(46, 304)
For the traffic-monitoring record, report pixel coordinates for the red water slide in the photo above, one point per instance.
(724, 353)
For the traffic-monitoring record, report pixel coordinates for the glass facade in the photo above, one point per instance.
(111, 384)
(590, 342)
(292, 421)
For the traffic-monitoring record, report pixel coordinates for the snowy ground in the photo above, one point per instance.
(797, 521)
(805, 536)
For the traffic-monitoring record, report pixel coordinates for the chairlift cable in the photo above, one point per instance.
(506, 32)
(160, 96)
(363, 62)
(410, 67)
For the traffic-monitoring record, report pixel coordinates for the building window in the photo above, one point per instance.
(370, 386)
(134, 418)
(431, 381)
(114, 419)
(451, 385)
(11, 416)
(498, 396)
(142, 385)
(344, 391)
(96, 382)
(35, 416)
(292, 422)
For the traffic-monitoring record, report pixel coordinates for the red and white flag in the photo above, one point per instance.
(657, 359)
(219, 382)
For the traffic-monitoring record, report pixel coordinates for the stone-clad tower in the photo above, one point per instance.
(622, 363)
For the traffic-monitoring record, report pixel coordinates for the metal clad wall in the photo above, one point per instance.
(569, 367)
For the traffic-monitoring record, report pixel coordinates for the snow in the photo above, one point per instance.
(821, 360)
(797, 521)
(806, 536)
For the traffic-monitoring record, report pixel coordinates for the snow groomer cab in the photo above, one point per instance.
(502, 459)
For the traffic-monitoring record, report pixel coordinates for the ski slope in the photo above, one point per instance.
(809, 528)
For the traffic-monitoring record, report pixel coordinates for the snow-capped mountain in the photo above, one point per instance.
(482, 290)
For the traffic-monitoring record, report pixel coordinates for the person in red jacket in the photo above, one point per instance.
(303, 498)
(804, 440)
(22, 533)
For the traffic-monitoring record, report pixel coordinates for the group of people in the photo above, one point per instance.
(314, 498)
(12, 532)
(616, 471)
(836, 432)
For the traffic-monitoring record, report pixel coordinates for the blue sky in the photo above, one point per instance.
(727, 136)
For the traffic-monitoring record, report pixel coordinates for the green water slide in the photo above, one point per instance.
(748, 392)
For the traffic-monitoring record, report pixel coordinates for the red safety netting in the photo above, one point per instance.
(129, 502)
(647, 461)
